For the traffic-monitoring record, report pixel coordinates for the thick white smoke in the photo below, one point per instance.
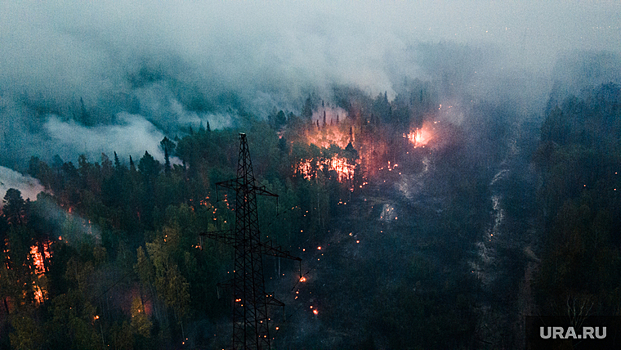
(28, 186)
(180, 63)
(132, 136)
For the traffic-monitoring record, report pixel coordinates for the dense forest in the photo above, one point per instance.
(579, 160)
(409, 240)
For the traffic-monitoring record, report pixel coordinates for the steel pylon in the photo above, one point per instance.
(250, 301)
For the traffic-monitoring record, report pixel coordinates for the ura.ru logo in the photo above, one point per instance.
(570, 333)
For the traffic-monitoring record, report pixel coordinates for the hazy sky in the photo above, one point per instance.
(54, 53)
(88, 46)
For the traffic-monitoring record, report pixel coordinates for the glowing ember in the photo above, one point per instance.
(302, 279)
(38, 294)
(305, 169)
(315, 312)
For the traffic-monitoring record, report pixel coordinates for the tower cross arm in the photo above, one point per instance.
(232, 184)
(260, 190)
(237, 183)
(273, 301)
(225, 236)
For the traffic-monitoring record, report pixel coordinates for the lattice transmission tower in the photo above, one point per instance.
(250, 301)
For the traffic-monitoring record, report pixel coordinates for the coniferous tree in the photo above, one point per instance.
(168, 146)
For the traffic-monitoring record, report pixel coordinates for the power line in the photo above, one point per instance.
(250, 301)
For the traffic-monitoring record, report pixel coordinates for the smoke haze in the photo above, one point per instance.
(28, 186)
(101, 77)
(436, 110)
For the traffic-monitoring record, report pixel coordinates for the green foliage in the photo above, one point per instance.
(14, 207)
(140, 320)
(73, 322)
(121, 336)
(27, 335)
(142, 221)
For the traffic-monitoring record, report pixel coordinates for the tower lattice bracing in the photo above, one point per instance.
(250, 301)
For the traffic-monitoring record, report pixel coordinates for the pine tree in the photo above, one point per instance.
(117, 162)
(168, 147)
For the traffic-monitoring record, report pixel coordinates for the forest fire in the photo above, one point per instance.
(305, 168)
(421, 136)
(343, 143)
(38, 259)
(334, 136)
(343, 168)
(327, 128)
(328, 135)
(336, 144)
(428, 174)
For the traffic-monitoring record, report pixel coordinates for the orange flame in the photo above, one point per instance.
(343, 168)
(38, 294)
(37, 257)
(421, 137)
(367, 136)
